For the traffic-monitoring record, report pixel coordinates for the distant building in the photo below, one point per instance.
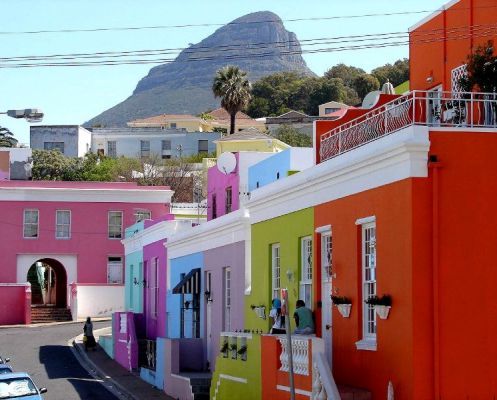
(250, 139)
(15, 163)
(70, 140)
(145, 142)
(332, 109)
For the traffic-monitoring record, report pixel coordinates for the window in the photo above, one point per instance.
(141, 215)
(144, 148)
(228, 200)
(111, 148)
(115, 224)
(173, 125)
(30, 224)
(153, 281)
(115, 270)
(227, 299)
(203, 146)
(54, 146)
(214, 207)
(368, 278)
(329, 110)
(166, 145)
(306, 270)
(275, 271)
(63, 224)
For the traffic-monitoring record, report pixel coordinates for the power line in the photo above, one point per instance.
(480, 31)
(328, 18)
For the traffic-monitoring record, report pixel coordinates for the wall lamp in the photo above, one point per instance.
(289, 275)
(137, 282)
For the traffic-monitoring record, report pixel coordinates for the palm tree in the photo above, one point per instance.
(232, 86)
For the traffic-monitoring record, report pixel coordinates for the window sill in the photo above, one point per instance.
(366, 344)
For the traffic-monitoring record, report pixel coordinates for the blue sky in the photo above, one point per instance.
(72, 95)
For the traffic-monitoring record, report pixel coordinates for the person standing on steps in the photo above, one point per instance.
(88, 338)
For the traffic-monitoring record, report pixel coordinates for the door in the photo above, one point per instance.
(326, 291)
(208, 314)
(434, 106)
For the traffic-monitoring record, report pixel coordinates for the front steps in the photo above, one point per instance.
(46, 314)
(352, 393)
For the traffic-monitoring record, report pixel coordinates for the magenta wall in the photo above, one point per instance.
(15, 305)
(125, 343)
(215, 260)
(88, 241)
(217, 182)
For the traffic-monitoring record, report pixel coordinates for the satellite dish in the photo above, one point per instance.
(226, 163)
(371, 99)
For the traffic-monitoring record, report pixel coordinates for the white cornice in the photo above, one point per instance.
(395, 157)
(160, 231)
(228, 229)
(85, 195)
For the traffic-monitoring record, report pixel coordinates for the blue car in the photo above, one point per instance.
(19, 385)
(5, 369)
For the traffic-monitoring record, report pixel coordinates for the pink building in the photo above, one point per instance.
(64, 238)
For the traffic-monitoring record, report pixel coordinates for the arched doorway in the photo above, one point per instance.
(48, 280)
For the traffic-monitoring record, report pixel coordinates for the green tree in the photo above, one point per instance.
(232, 86)
(365, 83)
(322, 90)
(397, 73)
(52, 165)
(7, 138)
(293, 137)
(481, 70)
(346, 73)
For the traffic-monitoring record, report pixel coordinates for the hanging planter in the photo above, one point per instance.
(382, 305)
(343, 305)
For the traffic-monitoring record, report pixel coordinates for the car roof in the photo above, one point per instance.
(5, 366)
(15, 375)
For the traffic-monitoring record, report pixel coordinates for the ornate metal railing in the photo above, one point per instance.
(430, 108)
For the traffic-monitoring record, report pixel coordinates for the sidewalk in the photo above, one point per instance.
(122, 383)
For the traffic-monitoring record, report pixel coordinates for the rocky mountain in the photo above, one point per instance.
(258, 43)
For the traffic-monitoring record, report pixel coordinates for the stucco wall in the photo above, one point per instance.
(15, 304)
(99, 300)
(68, 134)
(134, 282)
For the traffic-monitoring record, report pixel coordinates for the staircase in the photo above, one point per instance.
(201, 387)
(352, 393)
(44, 314)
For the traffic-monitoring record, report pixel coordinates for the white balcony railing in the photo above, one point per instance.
(300, 352)
(430, 108)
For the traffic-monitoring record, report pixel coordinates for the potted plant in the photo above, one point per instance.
(343, 305)
(382, 305)
(243, 352)
(224, 348)
(233, 348)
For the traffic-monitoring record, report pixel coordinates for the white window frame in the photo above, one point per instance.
(306, 271)
(275, 270)
(61, 225)
(228, 202)
(109, 225)
(227, 299)
(114, 265)
(368, 282)
(141, 215)
(26, 224)
(154, 285)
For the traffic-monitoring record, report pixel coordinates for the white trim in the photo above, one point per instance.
(79, 195)
(366, 220)
(463, 129)
(232, 378)
(398, 156)
(297, 391)
(15, 284)
(37, 223)
(366, 344)
(323, 229)
(181, 377)
(121, 224)
(236, 334)
(433, 15)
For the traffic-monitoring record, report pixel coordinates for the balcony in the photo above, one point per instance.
(429, 108)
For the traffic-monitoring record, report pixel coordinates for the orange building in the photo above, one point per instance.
(415, 220)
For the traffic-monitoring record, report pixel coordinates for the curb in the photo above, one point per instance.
(111, 385)
(27, 326)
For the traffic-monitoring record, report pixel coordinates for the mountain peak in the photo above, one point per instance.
(258, 43)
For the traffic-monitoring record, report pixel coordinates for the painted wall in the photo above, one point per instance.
(263, 145)
(177, 266)
(98, 300)
(217, 182)
(452, 40)
(215, 261)
(134, 282)
(15, 304)
(286, 230)
(128, 140)
(237, 379)
(67, 134)
(279, 166)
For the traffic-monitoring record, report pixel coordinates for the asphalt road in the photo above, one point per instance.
(44, 354)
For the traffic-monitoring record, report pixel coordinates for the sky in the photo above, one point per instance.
(73, 95)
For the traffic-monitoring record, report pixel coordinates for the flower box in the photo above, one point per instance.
(382, 311)
(344, 309)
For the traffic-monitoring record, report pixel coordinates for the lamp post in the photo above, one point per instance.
(29, 114)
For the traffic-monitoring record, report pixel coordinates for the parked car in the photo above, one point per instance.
(5, 369)
(19, 385)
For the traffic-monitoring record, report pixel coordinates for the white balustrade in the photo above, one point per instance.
(300, 353)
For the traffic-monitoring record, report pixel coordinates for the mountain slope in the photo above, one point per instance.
(258, 43)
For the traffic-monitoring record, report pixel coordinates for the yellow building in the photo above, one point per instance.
(250, 139)
(184, 122)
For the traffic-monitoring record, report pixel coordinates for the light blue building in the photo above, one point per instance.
(279, 166)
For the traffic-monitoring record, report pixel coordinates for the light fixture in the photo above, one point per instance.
(289, 275)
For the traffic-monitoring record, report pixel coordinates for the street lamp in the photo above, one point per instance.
(29, 114)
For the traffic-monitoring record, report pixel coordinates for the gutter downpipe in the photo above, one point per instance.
(435, 165)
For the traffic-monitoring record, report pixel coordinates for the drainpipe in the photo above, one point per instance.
(434, 165)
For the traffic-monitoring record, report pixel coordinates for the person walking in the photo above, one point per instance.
(88, 338)
(303, 319)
